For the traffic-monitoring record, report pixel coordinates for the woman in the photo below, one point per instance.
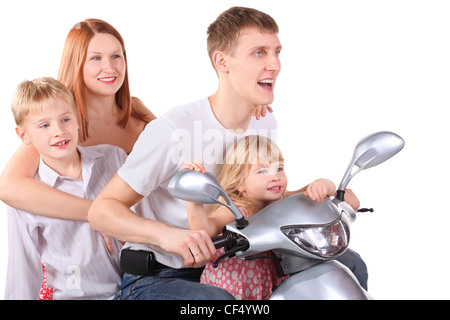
(93, 67)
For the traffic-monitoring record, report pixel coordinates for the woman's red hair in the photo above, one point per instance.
(71, 73)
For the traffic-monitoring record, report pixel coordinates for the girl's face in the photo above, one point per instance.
(264, 183)
(104, 69)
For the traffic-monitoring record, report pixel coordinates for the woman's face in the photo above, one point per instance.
(104, 69)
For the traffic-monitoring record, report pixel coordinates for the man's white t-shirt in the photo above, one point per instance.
(186, 133)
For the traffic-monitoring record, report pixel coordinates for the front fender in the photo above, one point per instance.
(330, 280)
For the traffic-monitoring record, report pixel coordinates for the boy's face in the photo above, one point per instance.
(254, 65)
(53, 132)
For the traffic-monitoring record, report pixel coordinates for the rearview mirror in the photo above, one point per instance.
(191, 185)
(369, 152)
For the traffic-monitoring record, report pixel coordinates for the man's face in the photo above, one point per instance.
(253, 66)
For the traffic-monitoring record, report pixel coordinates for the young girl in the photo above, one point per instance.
(253, 176)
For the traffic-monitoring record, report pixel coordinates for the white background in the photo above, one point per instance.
(349, 68)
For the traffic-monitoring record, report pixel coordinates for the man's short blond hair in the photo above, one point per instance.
(223, 34)
(37, 95)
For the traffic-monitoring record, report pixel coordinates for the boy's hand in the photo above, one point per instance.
(195, 165)
(320, 189)
(108, 243)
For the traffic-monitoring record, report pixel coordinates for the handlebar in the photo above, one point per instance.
(227, 239)
(232, 244)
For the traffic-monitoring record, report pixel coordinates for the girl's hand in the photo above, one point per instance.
(320, 189)
(261, 111)
(351, 199)
(195, 165)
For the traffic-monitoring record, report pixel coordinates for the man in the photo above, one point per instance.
(244, 49)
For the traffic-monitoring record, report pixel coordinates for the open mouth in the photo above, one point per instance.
(274, 189)
(107, 80)
(61, 143)
(267, 83)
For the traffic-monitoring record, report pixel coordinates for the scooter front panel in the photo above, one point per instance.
(330, 280)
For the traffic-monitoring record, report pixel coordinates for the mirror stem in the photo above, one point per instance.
(241, 223)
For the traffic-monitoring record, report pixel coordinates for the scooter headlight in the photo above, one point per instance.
(325, 241)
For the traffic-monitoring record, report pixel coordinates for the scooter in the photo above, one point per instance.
(305, 236)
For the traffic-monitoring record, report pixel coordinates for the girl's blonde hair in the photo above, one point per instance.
(37, 96)
(71, 73)
(238, 161)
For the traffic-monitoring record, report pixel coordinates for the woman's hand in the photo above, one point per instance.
(262, 111)
(195, 165)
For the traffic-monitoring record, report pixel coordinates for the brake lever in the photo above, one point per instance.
(230, 253)
(365, 210)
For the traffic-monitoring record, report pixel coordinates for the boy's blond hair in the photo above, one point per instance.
(37, 95)
(223, 33)
(238, 159)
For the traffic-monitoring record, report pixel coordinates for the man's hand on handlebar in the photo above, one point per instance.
(194, 246)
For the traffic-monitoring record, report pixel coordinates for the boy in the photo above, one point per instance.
(69, 256)
(244, 49)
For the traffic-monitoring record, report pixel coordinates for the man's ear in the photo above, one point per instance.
(22, 135)
(219, 60)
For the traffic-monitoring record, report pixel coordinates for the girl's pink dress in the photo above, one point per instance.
(244, 279)
(45, 293)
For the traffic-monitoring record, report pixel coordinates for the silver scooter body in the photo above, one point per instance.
(329, 280)
(264, 228)
(306, 236)
(312, 276)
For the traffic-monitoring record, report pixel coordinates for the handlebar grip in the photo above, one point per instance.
(224, 240)
(219, 241)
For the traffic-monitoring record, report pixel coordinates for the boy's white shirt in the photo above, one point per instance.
(185, 133)
(77, 262)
